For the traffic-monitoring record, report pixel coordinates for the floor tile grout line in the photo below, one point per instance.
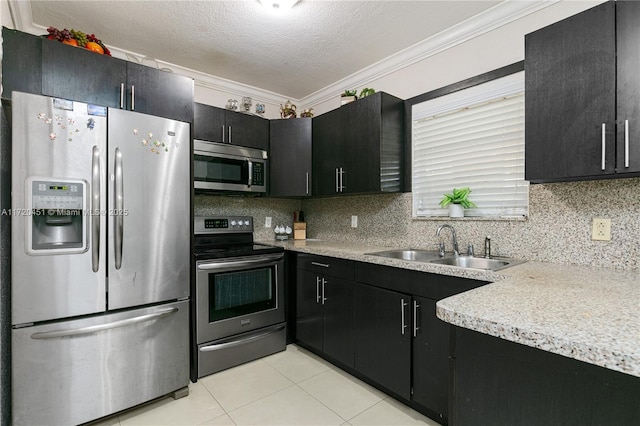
(323, 404)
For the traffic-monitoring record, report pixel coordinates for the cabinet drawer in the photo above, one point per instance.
(326, 265)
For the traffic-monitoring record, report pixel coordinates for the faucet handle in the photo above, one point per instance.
(470, 250)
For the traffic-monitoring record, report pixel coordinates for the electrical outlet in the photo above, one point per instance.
(354, 221)
(601, 229)
(267, 222)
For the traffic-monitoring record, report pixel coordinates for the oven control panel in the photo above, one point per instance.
(222, 224)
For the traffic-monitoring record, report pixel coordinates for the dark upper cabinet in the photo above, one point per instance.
(358, 148)
(21, 64)
(81, 75)
(581, 95)
(54, 69)
(290, 157)
(224, 126)
(160, 93)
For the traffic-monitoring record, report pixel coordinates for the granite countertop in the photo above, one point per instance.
(589, 314)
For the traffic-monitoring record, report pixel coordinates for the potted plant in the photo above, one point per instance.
(366, 92)
(348, 96)
(457, 201)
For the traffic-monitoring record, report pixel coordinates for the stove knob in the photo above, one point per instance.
(233, 223)
(246, 223)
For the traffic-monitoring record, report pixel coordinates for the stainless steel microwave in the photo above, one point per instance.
(224, 167)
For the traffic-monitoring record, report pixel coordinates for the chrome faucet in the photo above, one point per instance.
(453, 237)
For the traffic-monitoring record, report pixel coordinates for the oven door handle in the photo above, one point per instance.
(249, 261)
(219, 346)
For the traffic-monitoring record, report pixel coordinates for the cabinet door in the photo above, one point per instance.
(290, 157)
(22, 63)
(247, 130)
(628, 84)
(571, 93)
(430, 357)
(383, 337)
(81, 75)
(308, 309)
(338, 319)
(328, 152)
(209, 123)
(362, 145)
(160, 93)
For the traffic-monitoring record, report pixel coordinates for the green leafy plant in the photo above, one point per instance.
(458, 196)
(349, 93)
(366, 92)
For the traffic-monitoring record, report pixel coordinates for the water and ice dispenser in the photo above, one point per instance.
(58, 216)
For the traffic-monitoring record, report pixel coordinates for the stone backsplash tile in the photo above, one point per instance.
(558, 228)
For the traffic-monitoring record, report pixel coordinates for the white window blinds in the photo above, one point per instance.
(472, 138)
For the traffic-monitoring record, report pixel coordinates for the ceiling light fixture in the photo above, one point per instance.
(278, 5)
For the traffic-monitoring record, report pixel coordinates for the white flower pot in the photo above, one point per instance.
(456, 210)
(347, 99)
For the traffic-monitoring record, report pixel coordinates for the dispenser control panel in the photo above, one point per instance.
(57, 195)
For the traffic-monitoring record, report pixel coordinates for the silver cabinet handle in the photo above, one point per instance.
(249, 171)
(307, 183)
(233, 343)
(324, 299)
(133, 97)
(604, 146)
(317, 289)
(415, 318)
(404, 323)
(324, 265)
(342, 187)
(230, 134)
(337, 180)
(95, 209)
(223, 133)
(119, 206)
(626, 144)
(102, 327)
(121, 95)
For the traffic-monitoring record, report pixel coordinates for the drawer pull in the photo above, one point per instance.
(324, 265)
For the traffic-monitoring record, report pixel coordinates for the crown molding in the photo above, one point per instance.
(495, 17)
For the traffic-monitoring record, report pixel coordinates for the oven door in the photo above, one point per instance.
(235, 295)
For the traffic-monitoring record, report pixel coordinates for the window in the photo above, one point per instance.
(472, 138)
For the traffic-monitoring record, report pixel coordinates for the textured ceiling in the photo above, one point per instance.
(318, 42)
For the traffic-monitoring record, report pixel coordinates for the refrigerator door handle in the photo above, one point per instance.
(95, 210)
(102, 327)
(119, 209)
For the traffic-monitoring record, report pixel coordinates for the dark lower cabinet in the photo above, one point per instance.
(383, 337)
(502, 383)
(324, 306)
(430, 358)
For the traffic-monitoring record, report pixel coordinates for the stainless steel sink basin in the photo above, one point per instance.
(428, 256)
(408, 254)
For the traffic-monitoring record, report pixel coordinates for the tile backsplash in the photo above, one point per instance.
(558, 228)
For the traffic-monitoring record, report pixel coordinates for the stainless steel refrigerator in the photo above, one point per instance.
(100, 259)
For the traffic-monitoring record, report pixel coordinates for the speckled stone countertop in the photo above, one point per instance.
(589, 314)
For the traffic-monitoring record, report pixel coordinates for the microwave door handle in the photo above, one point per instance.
(250, 171)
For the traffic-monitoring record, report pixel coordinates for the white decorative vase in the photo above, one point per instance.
(456, 210)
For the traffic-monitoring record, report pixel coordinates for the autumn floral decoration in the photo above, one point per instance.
(78, 39)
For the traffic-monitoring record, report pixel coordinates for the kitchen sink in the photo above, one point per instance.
(476, 262)
(408, 254)
(429, 256)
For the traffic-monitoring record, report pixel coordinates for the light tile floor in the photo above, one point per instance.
(294, 387)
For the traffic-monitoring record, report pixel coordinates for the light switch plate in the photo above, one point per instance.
(267, 222)
(354, 221)
(601, 229)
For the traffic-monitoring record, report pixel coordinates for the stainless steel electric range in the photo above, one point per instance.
(239, 295)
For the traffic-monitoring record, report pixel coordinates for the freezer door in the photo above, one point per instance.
(149, 196)
(58, 222)
(77, 371)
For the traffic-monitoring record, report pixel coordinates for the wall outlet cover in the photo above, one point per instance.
(354, 221)
(267, 222)
(601, 229)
